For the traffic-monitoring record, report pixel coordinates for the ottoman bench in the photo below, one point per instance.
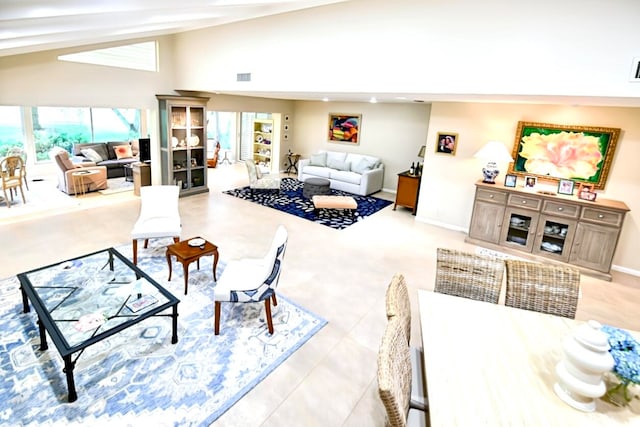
(313, 186)
(334, 202)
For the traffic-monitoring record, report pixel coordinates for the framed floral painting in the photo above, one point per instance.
(555, 152)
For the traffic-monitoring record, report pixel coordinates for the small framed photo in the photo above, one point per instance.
(510, 180)
(586, 192)
(565, 186)
(447, 143)
(530, 181)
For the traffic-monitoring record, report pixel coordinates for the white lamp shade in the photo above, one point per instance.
(494, 151)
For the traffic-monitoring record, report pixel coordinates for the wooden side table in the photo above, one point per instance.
(292, 166)
(186, 254)
(78, 180)
(408, 191)
(141, 176)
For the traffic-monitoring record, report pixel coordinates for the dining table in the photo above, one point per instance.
(492, 365)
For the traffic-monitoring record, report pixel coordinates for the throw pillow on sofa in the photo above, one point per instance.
(100, 148)
(123, 151)
(339, 165)
(319, 159)
(91, 154)
(362, 166)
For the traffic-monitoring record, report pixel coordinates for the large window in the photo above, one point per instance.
(59, 127)
(11, 134)
(37, 130)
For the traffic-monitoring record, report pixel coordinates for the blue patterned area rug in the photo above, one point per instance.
(138, 376)
(291, 200)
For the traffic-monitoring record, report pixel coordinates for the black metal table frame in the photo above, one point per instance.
(46, 323)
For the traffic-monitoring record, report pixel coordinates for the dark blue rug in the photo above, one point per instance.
(291, 200)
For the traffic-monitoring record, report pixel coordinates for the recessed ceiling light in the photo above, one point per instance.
(325, 99)
(373, 100)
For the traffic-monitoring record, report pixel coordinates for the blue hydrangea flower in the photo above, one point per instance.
(626, 354)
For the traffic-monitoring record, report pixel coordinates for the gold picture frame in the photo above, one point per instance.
(446, 143)
(345, 128)
(580, 153)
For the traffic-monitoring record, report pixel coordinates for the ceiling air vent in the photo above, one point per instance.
(243, 77)
(635, 70)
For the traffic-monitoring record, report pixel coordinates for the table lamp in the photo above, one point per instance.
(493, 152)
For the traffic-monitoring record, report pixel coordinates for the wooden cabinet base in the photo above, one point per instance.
(547, 227)
(532, 257)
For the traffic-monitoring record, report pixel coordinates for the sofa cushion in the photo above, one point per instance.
(319, 159)
(123, 151)
(339, 165)
(320, 171)
(335, 156)
(345, 176)
(92, 155)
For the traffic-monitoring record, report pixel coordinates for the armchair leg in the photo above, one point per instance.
(146, 243)
(275, 301)
(217, 318)
(267, 306)
(135, 251)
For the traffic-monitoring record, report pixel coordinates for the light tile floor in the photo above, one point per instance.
(340, 275)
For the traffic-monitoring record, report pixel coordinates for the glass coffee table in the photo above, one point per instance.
(85, 300)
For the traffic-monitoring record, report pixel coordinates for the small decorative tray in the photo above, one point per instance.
(196, 242)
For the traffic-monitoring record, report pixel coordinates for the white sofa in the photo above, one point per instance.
(353, 173)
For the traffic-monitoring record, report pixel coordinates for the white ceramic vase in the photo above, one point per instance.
(580, 372)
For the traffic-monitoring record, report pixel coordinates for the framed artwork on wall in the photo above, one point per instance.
(447, 143)
(345, 128)
(579, 153)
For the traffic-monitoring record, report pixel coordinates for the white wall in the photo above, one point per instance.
(550, 47)
(393, 132)
(39, 79)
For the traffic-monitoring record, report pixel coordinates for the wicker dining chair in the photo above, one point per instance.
(468, 275)
(394, 378)
(398, 306)
(544, 288)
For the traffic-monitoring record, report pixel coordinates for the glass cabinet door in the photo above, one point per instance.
(554, 237)
(519, 228)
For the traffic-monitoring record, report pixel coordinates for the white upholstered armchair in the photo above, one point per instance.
(252, 279)
(257, 181)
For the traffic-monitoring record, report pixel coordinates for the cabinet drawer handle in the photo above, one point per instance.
(560, 209)
(600, 216)
(524, 202)
(491, 196)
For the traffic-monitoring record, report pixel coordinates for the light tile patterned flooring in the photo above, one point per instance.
(340, 275)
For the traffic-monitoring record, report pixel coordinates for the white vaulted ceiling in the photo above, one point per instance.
(36, 25)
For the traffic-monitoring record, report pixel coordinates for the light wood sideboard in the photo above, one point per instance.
(547, 227)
